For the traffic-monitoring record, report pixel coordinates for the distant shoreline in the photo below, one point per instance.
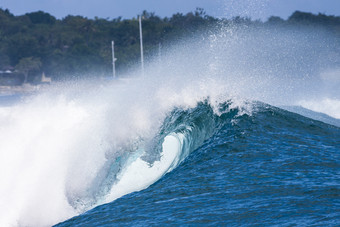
(78, 47)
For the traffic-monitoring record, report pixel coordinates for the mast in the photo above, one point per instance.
(141, 44)
(113, 60)
(159, 52)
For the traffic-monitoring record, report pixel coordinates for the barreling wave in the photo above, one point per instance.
(262, 151)
(73, 151)
(108, 171)
(143, 162)
(185, 130)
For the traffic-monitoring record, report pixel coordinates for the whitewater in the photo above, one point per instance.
(81, 144)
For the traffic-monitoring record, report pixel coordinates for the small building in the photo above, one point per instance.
(45, 80)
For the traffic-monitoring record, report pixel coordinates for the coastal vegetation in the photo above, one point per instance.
(73, 46)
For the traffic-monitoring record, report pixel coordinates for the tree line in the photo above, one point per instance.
(75, 45)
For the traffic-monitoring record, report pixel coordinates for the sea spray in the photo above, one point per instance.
(66, 150)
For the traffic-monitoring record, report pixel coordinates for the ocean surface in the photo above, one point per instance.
(238, 128)
(270, 168)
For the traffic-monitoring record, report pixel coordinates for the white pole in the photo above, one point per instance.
(141, 44)
(159, 52)
(113, 60)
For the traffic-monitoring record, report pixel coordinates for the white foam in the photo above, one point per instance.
(54, 147)
(138, 174)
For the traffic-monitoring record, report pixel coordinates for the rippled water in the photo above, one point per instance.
(271, 168)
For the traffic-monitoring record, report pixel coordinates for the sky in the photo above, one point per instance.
(256, 9)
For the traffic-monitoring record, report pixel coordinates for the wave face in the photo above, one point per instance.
(272, 167)
(202, 128)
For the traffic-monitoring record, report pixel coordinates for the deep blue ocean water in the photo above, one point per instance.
(268, 168)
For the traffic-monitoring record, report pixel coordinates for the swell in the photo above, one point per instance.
(197, 126)
(203, 141)
(143, 162)
(131, 166)
(182, 131)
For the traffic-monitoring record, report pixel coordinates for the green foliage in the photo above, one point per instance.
(41, 18)
(78, 46)
(27, 65)
(275, 20)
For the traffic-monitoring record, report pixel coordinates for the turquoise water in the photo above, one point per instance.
(272, 167)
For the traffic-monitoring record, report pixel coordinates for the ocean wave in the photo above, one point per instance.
(82, 143)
